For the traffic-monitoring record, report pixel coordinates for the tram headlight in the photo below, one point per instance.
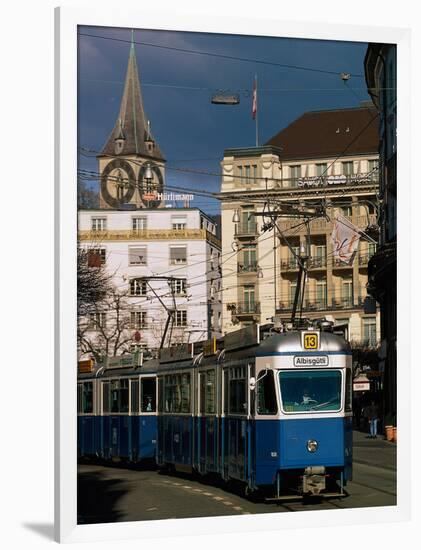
(312, 445)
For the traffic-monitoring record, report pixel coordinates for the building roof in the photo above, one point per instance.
(332, 133)
(252, 151)
(131, 124)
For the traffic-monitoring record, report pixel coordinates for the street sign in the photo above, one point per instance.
(361, 386)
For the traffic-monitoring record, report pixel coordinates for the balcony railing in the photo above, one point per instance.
(246, 308)
(363, 259)
(291, 264)
(317, 262)
(313, 263)
(336, 262)
(323, 226)
(250, 267)
(246, 229)
(323, 305)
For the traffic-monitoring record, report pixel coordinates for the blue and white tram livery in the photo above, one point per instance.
(271, 410)
(117, 410)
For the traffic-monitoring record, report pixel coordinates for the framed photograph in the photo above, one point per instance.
(228, 337)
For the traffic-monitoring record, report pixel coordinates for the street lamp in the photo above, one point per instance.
(236, 216)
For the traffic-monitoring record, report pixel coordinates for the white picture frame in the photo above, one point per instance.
(67, 21)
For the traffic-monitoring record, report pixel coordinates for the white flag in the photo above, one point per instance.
(345, 239)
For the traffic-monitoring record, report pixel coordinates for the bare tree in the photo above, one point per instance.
(105, 329)
(93, 282)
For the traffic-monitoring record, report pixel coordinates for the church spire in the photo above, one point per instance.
(131, 121)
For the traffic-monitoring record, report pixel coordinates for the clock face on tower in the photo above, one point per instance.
(118, 183)
(150, 183)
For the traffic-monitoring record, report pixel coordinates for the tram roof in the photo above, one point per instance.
(148, 367)
(285, 342)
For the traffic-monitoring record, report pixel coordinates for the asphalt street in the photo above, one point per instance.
(115, 493)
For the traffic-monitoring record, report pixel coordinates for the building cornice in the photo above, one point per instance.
(148, 235)
(296, 192)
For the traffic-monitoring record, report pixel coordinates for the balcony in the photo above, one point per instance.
(322, 305)
(289, 265)
(312, 263)
(337, 263)
(323, 226)
(241, 309)
(317, 262)
(245, 230)
(363, 259)
(250, 267)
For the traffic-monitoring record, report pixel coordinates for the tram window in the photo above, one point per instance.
(237, 391)
(185, 393)
(266, 397)
(202, 392)
(105, 397)
(226, 392)
(114, 392)
(148, 395)
(118, 396)
(169, 393)
(210, 392)
(207, 392)
(124, 396)
(88, 398)
(310, 391)
(177, 393)
(134, 387)
(348, 391)
(79, 398)
(161, 394)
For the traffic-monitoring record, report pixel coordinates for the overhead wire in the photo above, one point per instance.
(220, 56)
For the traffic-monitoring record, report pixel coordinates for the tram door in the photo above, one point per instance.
(235, 432)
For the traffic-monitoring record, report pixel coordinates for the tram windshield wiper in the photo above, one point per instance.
(323, 404)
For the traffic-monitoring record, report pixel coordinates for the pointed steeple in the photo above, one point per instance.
(131, 133)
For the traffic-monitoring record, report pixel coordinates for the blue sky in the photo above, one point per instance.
(192, 132)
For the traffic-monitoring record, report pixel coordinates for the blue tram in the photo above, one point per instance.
(117, 410)
(271, 410)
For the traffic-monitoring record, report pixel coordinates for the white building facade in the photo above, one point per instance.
(160, 261)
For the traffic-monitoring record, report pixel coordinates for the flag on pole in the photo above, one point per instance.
(345, 239)
(254, 101)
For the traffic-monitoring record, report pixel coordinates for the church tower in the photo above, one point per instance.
(131, 164)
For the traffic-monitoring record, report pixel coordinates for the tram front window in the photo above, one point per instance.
(312, 391)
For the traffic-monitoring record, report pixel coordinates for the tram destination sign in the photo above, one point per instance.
(311, 361)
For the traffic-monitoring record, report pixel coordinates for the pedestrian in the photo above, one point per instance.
(372, 414)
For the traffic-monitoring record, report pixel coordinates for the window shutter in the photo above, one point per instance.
(178, 253)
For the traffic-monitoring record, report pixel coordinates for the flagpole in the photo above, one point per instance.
(257, 115)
